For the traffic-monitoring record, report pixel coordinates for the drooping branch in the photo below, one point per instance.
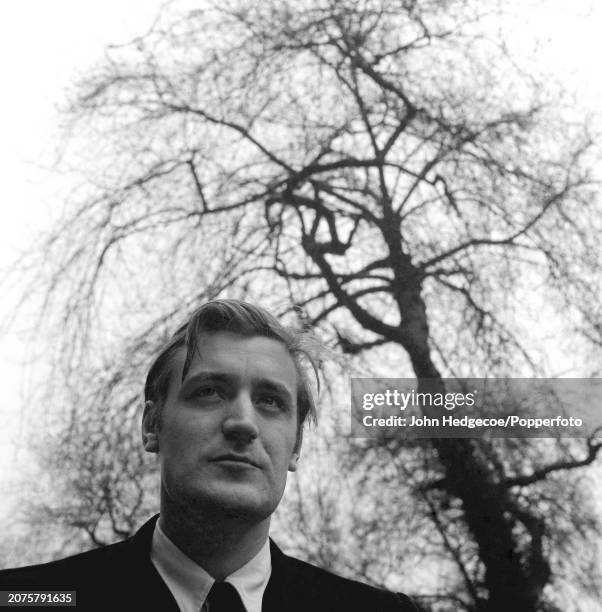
(593, 448)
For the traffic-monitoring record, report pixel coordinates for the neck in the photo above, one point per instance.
(218, 543)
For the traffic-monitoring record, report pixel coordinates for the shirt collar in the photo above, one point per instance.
(189, 583)
(251, 579)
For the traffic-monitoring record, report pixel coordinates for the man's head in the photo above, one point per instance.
(225, 405)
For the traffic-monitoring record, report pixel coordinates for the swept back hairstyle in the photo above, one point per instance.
(247, 320)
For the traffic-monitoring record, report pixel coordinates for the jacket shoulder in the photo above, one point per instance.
(119, 576)
(69, 572)
(320, 585)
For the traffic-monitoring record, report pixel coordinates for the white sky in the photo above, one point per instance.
(43, 43)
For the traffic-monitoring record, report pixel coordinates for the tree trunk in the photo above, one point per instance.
(514, 578)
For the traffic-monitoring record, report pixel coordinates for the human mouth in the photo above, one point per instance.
(235, 460)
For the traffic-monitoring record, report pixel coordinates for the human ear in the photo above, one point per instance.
(292, 464)
(150, 427)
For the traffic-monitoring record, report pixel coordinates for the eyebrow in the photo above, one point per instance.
(264, 383)
(276, 387)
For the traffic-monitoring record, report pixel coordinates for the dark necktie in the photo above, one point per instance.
(223, 597)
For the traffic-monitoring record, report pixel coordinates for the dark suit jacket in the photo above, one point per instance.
(122, 577)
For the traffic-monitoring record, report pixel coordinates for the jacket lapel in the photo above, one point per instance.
(277, 593)
(149, 591)
(288, 588)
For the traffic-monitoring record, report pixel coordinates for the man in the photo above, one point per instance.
(225, 405)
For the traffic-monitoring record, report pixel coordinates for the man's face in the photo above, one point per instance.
(228, 430)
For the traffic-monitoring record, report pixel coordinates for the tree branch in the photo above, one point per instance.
(593, 448)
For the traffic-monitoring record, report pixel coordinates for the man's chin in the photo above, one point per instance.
(229, 503)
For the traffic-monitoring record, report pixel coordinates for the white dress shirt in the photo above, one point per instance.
(189, 583)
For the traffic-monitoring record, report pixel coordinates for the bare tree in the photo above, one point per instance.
(382, 171)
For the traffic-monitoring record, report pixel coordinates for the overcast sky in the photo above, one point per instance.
(43, 44)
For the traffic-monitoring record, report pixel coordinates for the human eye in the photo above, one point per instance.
(272, 402)
(207, 392)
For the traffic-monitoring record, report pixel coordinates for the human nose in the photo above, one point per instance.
(240, 423)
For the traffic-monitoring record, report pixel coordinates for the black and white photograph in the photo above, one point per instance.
(301, 306)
